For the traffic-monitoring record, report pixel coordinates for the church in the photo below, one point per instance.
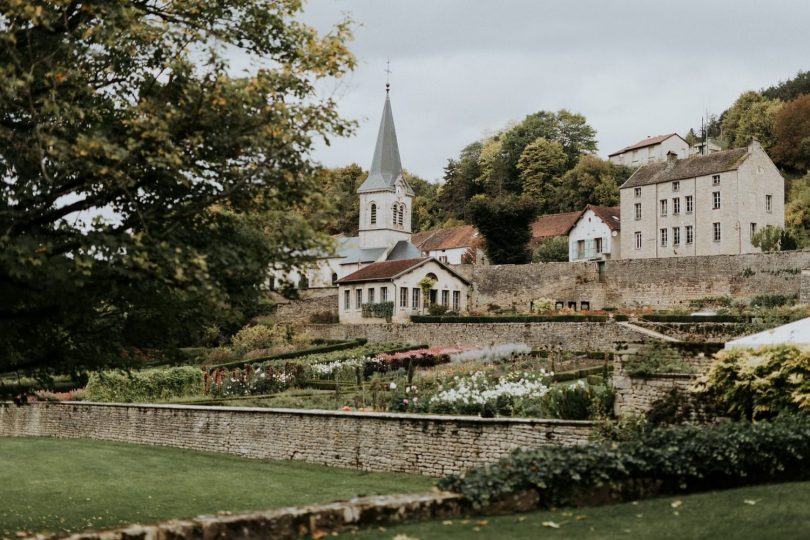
(380, 274)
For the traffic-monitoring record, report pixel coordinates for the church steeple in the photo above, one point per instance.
(386, 166)
(385, 196)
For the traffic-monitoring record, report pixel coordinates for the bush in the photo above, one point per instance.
(220, 355)
(656, 359)
(380, 310)
(542, 305)
(437, 309)
(579, 401)
(759, 383)
(324, 317)
(666, 460)
(554, 249)
(673, 318)
(772, 300)
(145, 386)
(259, 336)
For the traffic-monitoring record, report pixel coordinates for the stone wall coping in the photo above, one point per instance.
(324, 412)
(663, 376)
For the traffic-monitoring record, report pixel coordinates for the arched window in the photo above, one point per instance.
(334, 278)
(401, 213)
(373, 214)
(395, 214)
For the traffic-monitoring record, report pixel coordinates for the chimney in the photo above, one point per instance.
(671, 156)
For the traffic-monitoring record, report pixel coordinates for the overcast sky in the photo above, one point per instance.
(463, 68)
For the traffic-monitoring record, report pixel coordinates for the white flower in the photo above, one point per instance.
(392, 386)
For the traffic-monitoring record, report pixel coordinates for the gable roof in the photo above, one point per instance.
(649, 141)
(554, 224)
(386, 166)
(610, 215)
(403, 250)
(389, 270)
(462, 236)
(691, 167)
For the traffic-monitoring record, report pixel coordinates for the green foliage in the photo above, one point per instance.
(591, 181)
(676, 318)
(258, 336)
(542, 305)
(437, 309)
(145, 192)
(751, 116)
(797, 211)
(505, 224)
(540, 163)
(771, 238)
(763, 383)
(319, 353)
(655, 359)
(579, 401)
(665, 460)
(553, 249)
(379, 310)
(791, 88)
(773, 300)
(145, 386)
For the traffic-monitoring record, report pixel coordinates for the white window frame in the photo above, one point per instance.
(769, 203)
(403, 297)
(676, 236)
(638, 211)
(638, 239)
(676, 206)
(676, 185)
(347, 300)
(690, 235)
(717, 233)
(664, 236)
(664, 207)
(358, 295)
(715, 179)
(690, 204)
(715, 200)
(637, 192)
(456, 300)
(383, 294)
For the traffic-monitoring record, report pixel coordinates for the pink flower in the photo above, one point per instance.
(405, 401)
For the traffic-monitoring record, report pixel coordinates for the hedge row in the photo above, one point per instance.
(662, 461)
(331, 347)
(513, 318)
(145, 386)
(660, 317)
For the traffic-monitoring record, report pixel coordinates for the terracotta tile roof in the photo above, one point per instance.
(463, 236)
(383, 270)
(554, 225)
(646, 142)
(691, 167)
(610, 215)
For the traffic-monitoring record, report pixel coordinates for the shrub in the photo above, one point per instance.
(437, 309)
(772, 300)
(664, 460)
(579, 401)
(380, 310)
(759, 383)
(675, 318)
(507, 318)
(259, 336)
(221, 355)
(324, 317)
(542, 305)
(145, 386)
(656, 359)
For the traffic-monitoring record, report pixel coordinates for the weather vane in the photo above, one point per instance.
(387, 74)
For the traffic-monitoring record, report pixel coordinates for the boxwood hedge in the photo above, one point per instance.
(512, 318)
(674, 318)
(662, 461)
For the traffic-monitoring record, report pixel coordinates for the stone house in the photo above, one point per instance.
(595, 235)
(702, 205)
(392, 289)
(454, 245)
(651, 150)
(552, 226)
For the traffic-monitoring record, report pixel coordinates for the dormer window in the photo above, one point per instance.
(373, 214)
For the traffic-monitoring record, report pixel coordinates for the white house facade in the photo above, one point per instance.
(391, 290)
(651, 150)
(595, 235)
(703, 205)
(454, 245)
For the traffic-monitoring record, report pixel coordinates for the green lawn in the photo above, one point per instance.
(69, 485)
(756, 513)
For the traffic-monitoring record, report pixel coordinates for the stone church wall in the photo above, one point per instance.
(431, 445)
(657, 283)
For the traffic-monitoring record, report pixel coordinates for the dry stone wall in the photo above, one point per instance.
(659, 283)
(300, 311)
(804, 292)
(562, 336)
(425, 444)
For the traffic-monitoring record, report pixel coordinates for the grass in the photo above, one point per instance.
(71, 485)
(761, 512)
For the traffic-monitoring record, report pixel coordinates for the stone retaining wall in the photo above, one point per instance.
(804, 292)
(299, 311)
(659, 283)
(425, 444)
(563, 336)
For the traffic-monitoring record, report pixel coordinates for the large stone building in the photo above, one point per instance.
(702, 205)
(651, 150)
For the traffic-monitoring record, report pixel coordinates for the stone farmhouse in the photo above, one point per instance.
(651, 150)
(702, 205)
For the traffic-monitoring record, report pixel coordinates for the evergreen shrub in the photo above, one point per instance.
(145, 386)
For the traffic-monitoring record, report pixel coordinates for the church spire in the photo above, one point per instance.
(386, 167)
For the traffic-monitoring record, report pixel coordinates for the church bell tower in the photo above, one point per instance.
(386, 199)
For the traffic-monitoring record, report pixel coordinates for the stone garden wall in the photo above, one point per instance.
(299, 311)
(563, 336)
(425, 444)
(659, 283)
(804, 293)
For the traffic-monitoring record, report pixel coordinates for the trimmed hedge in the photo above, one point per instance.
(332, 347)
(422, 319)
(662, 317)
(662, 461)
(145, 386)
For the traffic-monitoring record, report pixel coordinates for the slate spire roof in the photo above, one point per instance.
(386, 167)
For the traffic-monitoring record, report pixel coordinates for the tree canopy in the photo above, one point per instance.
(144, 189)
(504, 221)
(751, 116)
(792, 134)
